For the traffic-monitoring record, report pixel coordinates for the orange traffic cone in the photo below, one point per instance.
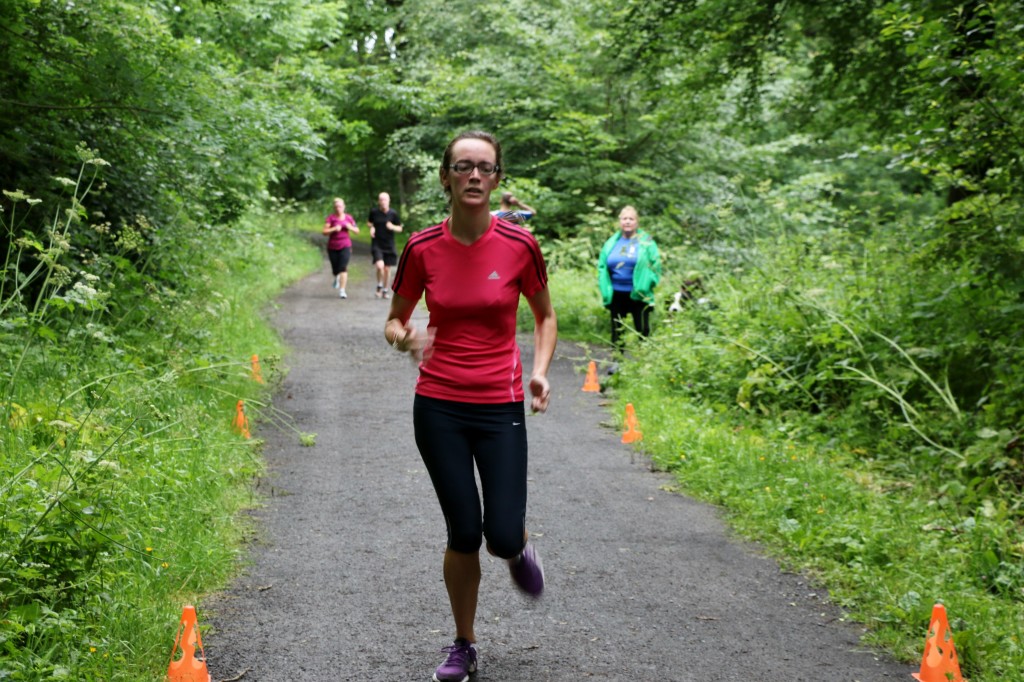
(241, 422)
(256, 376)
(631, 434)
(591, 385)
(939, 663)
(188, 668)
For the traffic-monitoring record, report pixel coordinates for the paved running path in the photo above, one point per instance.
(345, 581)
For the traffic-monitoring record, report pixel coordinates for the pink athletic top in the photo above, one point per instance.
(472, 293)
(336, 241)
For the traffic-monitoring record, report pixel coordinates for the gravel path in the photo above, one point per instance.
(345, 582)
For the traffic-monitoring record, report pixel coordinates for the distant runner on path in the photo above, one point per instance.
(338, 227)
(514, 210)
(469, 402)
(384, 223)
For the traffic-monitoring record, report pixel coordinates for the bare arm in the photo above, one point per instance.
(545, 337)
(524, 207)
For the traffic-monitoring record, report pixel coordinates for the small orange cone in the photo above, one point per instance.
(241, 423)
(591, 385)
(939, 663)
(188, 668)
(631, 434)
(256, 376)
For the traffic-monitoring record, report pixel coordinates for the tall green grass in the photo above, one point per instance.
(121, 476)
(886, 548)
(580, 314)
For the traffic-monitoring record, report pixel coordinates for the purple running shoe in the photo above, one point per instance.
(461, 662)
(527, 572)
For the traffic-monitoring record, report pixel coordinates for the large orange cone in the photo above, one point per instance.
(591, 385)
(939, 663)
(632, 433)
(256, 376)
(240, 424)
(188, 668)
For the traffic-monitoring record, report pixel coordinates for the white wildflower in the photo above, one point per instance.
(85, 292)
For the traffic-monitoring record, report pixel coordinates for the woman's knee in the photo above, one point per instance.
(466, 540)
(507, 543)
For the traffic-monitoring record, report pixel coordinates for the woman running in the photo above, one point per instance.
(469, 402)
(337, 227)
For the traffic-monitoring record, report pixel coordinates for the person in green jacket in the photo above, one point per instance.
(627, 272)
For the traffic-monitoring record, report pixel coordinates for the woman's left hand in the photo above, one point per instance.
(541, 391)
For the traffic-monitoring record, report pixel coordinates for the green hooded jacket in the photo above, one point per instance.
(646, 274)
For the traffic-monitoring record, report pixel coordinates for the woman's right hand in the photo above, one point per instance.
(410, 340)
(414, 342)
(402, 336)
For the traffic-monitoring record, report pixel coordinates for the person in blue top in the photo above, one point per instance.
(513, 210)
(628, 269)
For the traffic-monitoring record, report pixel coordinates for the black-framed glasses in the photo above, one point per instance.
(466, 167)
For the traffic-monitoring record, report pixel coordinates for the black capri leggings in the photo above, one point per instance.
(623, 304)
(451, 436)
(339, 259)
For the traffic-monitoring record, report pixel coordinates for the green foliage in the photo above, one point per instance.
(581, 316)
(831, 337)
(787, 340)
(937, 88)
(888, 548)
(121, 474)
(844, 179)
(196, 106)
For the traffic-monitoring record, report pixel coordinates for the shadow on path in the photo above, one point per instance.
(346, 584)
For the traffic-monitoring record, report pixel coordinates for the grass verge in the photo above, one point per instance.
(122, 476)
(886, 549)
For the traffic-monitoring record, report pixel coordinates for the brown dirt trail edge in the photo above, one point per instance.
(345, 581)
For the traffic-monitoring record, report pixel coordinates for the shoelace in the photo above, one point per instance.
(458, 654)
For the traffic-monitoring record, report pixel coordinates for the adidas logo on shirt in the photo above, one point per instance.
(493, 275)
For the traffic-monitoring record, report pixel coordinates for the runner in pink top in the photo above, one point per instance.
(337, 227)
(472, 292)
(468, 411)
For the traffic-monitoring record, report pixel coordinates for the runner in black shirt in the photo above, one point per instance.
(384, 223)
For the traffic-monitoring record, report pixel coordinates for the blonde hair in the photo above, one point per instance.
(629, 207)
